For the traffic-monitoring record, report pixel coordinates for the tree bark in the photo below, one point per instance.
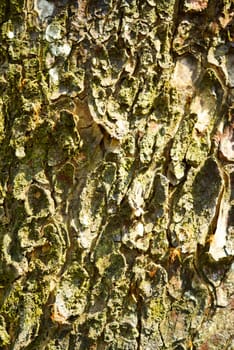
(117, 170)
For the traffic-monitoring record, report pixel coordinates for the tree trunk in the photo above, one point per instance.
(117, 172)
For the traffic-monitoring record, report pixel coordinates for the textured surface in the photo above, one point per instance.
(117, 174)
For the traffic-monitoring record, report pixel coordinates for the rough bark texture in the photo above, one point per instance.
(117, 170)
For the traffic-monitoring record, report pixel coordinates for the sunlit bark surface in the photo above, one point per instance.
(117, 174)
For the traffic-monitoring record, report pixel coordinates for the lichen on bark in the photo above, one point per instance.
(116, 182)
